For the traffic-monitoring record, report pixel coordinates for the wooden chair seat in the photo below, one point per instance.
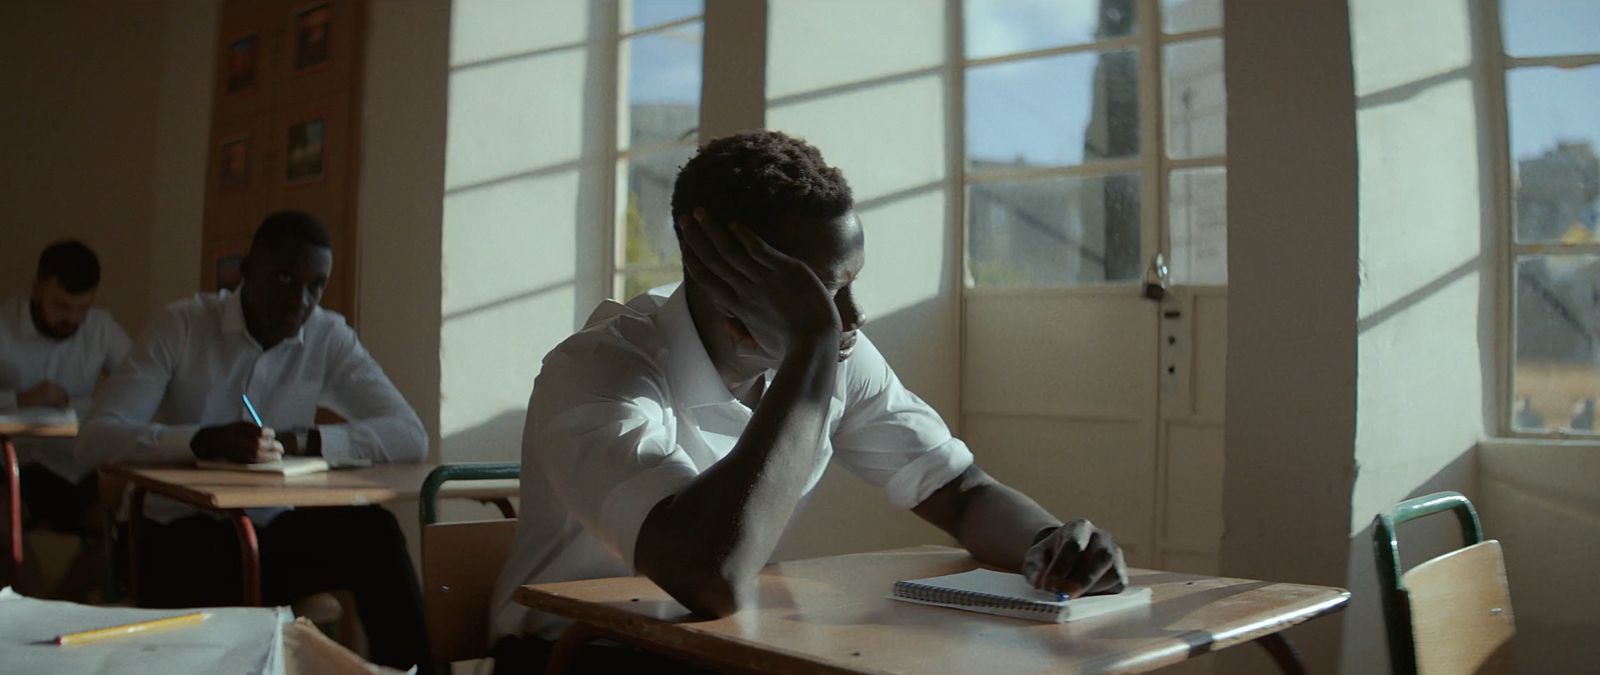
(1461, 618)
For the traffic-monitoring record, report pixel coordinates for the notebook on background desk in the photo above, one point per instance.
(1008, 594)
(288, 466)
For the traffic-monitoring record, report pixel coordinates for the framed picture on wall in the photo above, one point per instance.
(313, 28)
(307, 141)
(243, 56)
(233, 170)
(230, 272)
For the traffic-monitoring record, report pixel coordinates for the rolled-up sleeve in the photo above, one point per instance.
(119, 423)
(600, 430)
(891, 438)
(381, 427)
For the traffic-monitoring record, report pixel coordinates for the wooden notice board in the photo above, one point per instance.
(285, 126)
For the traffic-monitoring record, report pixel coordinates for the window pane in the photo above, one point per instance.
(1555, 130)
(1556, 382)
(1182, 16)
(640, 14)
(1056, 111)
(645, 203)
(634, 282)
(996, 27)
(663, 87)
(1550, 27)
(1197, 213)
(1054, 231)
(1196, 101)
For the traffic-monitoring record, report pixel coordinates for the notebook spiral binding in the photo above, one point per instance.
(950, 596)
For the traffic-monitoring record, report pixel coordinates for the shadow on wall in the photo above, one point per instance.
(845, 514)
(1366, 644)
(1540, 501)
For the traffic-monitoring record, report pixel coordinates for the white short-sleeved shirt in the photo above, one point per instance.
(29, 358)
(628, 411)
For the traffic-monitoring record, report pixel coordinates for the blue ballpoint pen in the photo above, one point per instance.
(252, 408)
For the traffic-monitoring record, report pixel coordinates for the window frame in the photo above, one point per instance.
(616, 155)
(1152, 163)
(1496, 65)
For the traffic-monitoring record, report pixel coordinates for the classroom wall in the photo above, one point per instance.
(1539, 500)
(81, 81)
(1292, 306)
(525, 224)
(1424, 331)
(178, 167)
(884, 72)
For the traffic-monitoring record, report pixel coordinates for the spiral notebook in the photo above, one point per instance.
(1008, 594)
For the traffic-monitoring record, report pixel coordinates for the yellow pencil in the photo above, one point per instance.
(99, 634)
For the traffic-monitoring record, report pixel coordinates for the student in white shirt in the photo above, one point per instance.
(55, 345)
(677, 436)
(178, 398)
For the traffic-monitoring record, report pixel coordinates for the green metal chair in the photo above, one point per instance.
(460, 561)
(1453, 612)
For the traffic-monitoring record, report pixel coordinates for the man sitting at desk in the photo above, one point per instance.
(54, 347)
(178, 398)
(678, 435)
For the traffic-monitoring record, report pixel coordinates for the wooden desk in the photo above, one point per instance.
(831, 615)
(230, 492)
(13, 482)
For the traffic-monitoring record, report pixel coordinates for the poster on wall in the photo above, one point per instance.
(243, 56)
(234, 171)
(312, 28)
(305, 151)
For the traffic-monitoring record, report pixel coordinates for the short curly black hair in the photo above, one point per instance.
(756, 177)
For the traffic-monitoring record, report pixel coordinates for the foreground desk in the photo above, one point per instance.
(13, 481)
(831, 615)
(229, 493)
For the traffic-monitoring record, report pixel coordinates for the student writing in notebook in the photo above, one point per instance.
(179, 396)
(678, 435)
(55, 346)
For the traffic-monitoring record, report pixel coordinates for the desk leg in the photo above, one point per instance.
(506, 509)
(249, 557)
(13, 489)
(135, 525)
(1283, 653)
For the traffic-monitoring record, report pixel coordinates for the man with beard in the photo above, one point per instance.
(55, 345)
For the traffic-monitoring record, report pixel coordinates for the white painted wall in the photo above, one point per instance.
(79, 126)
(1292, 303)
(1539, 500)
(1424, 330)
(523, 239)
(871, 94)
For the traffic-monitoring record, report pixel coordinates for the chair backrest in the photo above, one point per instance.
(1461, 620)
(460, 562)
(1400, 614)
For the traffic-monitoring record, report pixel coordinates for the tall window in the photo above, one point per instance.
(658, 120)
(1550, 52)
(1095, 137)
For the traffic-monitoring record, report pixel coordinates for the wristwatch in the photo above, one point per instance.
(307, 442)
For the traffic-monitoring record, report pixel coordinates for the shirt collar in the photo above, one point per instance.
(233, 318)
(694, 378)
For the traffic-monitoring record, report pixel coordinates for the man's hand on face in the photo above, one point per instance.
(46, 395)
(1077, 559)
(777, 298)
(240, 442)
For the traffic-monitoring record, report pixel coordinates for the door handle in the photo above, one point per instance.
(1157, 279)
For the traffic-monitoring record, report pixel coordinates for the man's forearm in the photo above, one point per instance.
(705, 545)
(999, 524)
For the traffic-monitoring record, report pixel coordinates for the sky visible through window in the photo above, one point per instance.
(1011, 127)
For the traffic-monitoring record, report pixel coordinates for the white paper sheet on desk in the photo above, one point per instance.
(234, 640)
(43, 417)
